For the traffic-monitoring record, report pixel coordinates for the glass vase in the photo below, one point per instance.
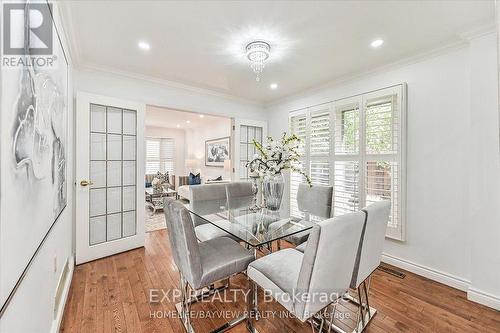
(274, 187)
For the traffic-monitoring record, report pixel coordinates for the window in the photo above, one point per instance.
(365, 160)
(159, 155)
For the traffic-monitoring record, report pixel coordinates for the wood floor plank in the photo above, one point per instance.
(112, 295)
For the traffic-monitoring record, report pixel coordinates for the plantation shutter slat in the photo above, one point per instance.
(159, 155)
(298, 126)
(319, 147)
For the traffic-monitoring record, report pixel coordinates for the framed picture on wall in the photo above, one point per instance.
(217, 151)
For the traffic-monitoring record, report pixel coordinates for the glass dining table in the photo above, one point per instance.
(255, 226)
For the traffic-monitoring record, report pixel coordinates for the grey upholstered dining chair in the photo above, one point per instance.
(239, 194)
(368, 257)
(315, 200)
(200, 264)
(306, 283)
(204, 200)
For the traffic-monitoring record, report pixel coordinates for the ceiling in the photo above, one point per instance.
(168, 118)
(201, 43)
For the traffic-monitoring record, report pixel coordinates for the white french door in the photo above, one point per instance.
(244, 132)
(109, 176)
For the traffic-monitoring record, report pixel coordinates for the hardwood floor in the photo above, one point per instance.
(112, 295)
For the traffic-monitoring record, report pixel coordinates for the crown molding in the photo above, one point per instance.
(447, 48)
(463, 40)
(166, 83)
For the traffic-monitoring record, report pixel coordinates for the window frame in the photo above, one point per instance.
(362, 157)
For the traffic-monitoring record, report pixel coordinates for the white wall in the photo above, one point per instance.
(438, 228)
(195, 141)
(179, 136)
(32, 307)
(484, 175)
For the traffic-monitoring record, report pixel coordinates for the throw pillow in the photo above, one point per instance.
(194, 179)
(163, 177)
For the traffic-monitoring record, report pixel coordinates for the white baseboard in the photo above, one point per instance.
(483, 298)
(56, 323)
(430, 273)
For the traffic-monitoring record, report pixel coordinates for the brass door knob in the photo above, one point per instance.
(85, 183)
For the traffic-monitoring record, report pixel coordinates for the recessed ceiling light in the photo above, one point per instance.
(202, 116)
(188, 121)
(377, 43)
(273, 85)
(144, 45)
(178, 125)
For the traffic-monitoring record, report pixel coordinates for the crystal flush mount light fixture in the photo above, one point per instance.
(258, 52)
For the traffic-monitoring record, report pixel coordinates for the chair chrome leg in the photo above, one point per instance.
(367, 301)
(278, 244)
(332, 316)
(183, 307)
(361, 307)
(252, 310)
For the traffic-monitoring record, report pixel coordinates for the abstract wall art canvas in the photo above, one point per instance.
(34, 145)
(217, 151)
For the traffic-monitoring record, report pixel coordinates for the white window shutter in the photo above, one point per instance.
(298, 126)
(319, 145)
(358, 146)
(160, 155)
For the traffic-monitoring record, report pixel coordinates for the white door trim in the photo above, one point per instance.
(84, 252)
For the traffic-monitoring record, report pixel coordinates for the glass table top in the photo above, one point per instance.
(256, 226)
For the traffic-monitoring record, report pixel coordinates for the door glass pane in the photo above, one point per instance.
(129, 148)
(114, 226)
(114, 120)
(258, 134)
(128, 198)
(128, 173)
(98, 174)
(251, 133)
(113, 174)
(97, 147)
(128, 224)
(97, 118)
(97, 230)
(129, 122)
(114, 147)
(114, 200)
(247, 148)
(243, 134)
(97, 202)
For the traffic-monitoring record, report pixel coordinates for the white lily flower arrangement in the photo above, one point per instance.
(276, 156)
